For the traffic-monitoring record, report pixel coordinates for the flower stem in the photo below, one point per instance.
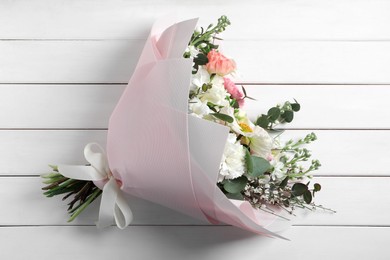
(84, 205)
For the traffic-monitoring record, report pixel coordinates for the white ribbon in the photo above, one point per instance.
(113, 206)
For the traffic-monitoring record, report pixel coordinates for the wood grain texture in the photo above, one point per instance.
(338, 193)
(90, 106)
(276, 19)
(258, 61)
(26, 152)
(208, 243)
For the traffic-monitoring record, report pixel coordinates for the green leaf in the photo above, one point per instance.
(288, 116)
(317, 187)
(223, 117)
(249, 162)
(235, 196)
(296, 107)
(284, 182)
(201, 59)
(307, 197)
(235, 104)
(212, 106)
(273, 114)
(236, 185)
(260, 166)
(298, 189)
(206, 87)
(262, 121)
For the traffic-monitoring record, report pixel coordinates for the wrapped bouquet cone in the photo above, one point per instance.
(178, 137)
(161, 153)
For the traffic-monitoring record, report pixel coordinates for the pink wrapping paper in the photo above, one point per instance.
(162, 154)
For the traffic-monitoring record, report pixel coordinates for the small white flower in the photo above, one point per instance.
(192, 51)
(200, 78)
(233, 159)
(264, 180)
(198, 108)
(278, 172)
(215, 95)
(198, 30)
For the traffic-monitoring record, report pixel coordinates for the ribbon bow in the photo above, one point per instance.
(113, 205)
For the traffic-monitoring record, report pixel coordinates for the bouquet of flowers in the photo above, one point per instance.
(180, 137)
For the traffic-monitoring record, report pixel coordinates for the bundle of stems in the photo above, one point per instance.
(82, 193)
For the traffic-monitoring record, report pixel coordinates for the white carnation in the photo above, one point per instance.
(233, 160)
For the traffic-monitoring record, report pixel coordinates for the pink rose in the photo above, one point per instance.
(234, 91)
(219, 64)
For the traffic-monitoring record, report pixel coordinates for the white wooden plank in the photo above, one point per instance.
(34, 150)
(57, 106)
(358, 201)
(312, 62)
(208, 243)
(90, 106)
(326, 107)
(341, 152)
(52, 211)
(258, 61)
(277, 19)
(69, 61)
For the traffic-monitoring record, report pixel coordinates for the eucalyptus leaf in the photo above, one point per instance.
(296, 107)
(288, 116)
(317, 187)
(307, 197)
(235, 196)
(260, 166)
(273, 114)
(236, 185)
(298, 189)
(262, 121)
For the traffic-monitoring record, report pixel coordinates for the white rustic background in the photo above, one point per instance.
(65, 63)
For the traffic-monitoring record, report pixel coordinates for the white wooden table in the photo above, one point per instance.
(64, 65)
